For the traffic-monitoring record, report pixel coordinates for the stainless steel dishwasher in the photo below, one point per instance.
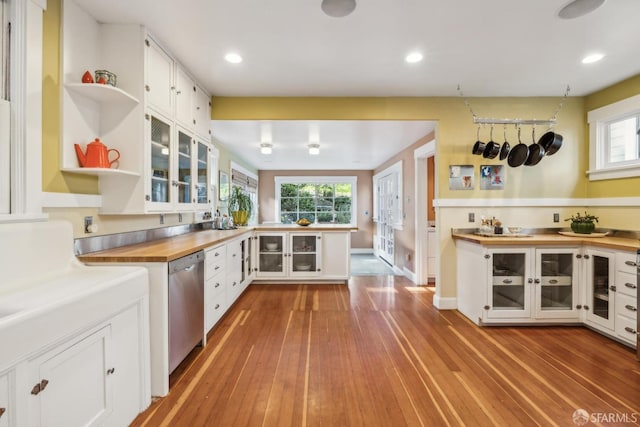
(186, 306)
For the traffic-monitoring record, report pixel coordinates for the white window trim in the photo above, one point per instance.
(598, 119)
(247, 172)
(353, 180)
(398, 216)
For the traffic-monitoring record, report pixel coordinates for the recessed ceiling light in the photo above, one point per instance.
(578, 8)
(233, 58)
(413, 57)
(590, 59)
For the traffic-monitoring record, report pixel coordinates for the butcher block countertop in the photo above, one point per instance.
(171, 248)
(617, 243)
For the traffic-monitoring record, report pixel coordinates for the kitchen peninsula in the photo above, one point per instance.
(550, 278)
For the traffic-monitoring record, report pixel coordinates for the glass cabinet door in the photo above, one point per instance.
(184, 168)
(160, 135)
(600, 300)
(305, 253)
(556, 283)
(201, 171)
(271, 255)
(508, 295)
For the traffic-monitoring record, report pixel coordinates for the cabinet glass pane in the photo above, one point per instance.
(201, 185)
(160, 154)
(600, 286)
(184, 168)
(508, 281)
(304, 253)
(556, 282)
(271, 255)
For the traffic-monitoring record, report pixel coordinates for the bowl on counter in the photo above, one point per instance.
(514, 230)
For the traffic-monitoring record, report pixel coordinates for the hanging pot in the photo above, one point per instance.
(492, 148)
(536, 151)
(551, 142)
(504, 151)
(518, 154)
(478, 147)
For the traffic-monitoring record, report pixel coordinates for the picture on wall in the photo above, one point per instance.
(461, 177)
(492, 177)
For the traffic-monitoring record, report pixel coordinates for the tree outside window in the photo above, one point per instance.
(322, 203)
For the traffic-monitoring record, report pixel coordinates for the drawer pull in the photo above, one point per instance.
(217, 285)
(630, 285)
(630, 330)
(216, 307)
(631, 263)
(553, 281)
(217, 267)
(507, 281)
(630, 307)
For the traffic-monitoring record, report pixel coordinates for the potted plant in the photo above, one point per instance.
(240, 206)
(583, 224)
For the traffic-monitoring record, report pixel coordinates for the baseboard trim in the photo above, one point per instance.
(365, 251)
(409, 275)
(445, 303)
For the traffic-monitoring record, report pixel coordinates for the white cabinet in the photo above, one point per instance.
(522, 285)
(71, 384)
(432, 245)
(6, 410)
(235, 268)
(626, 294)
(139, 118)
(600, 302)
(215, 287)
(159, 68)
(202, 112)
(303, 255)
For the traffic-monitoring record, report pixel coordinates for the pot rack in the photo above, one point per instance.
(493, 121)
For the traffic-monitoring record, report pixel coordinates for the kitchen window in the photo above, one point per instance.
(248, 181)
(614, 150)
(320, 199)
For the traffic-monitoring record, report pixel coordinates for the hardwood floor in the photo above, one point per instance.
(377, 353)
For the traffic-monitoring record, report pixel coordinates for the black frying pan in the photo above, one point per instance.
(551, 142)
(536, 151)
(504, 151)
(518, 154)
(492, 148)
(478, 147)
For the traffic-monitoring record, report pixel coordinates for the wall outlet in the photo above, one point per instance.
(161, 219)
(472, 217)
(88, 221)
(179, 217)
(556, 217)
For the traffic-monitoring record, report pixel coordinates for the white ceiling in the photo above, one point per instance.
(291, 48)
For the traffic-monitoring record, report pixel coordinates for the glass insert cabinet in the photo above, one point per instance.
(289, 254)
(600, 299)
(532, 283)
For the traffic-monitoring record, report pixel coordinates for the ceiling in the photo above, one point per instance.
(291, 48)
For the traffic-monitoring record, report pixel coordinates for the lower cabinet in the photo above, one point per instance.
(96, 377)
(626, 304)
(599, 305)
(303, 255)
(521, 285)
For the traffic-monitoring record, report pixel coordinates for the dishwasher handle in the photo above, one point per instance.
(186, 263)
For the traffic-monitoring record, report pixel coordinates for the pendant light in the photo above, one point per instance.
(314, 148)
(578, 8)
(338, 8)
(266, 148)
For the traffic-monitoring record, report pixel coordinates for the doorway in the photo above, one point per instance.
(426, 237)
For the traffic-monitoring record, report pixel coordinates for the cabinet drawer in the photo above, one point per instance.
(215, 308)
(626, 328)
(215, 260)
(626, 283)
(508, 280)
(626, 306)
(626, 262)
(214, 285)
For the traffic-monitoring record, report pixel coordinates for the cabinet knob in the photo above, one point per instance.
(578, 256)
(486, 307)
(147, 42)
(216, 307)
(612, 288)
(110, 371)
(147, 88)
(536, 281)
(630, 307)
(217, 285)
(39, 387)
(578, 307)
(487, 256)
(586, 257)
(586, 307)
(178, 92)
(147, 197)
(530, 280)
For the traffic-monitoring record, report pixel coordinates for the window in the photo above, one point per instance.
(320, 199)
(248, 181)
(614, 150)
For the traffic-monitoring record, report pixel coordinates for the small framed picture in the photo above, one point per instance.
(461, 177)
(492, 177)
(223, 187)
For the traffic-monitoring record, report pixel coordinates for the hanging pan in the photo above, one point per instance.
(519, 153)
(536, 151)
(551, 142)
(478, 147)
(504, 151)
(492, 149)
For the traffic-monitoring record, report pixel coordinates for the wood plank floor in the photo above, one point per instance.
(377, 353)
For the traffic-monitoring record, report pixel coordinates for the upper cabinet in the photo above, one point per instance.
(154, 121)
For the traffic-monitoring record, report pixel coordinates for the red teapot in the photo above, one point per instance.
(97, 155)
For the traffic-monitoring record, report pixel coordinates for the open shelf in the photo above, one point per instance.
(102, 93)
(100, 171)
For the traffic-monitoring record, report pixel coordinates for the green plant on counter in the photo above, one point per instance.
(240, 206)
(583, 224)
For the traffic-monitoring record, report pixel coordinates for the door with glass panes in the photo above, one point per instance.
(159, 196)
(556, 283)
(599, 304)
(508, 277)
